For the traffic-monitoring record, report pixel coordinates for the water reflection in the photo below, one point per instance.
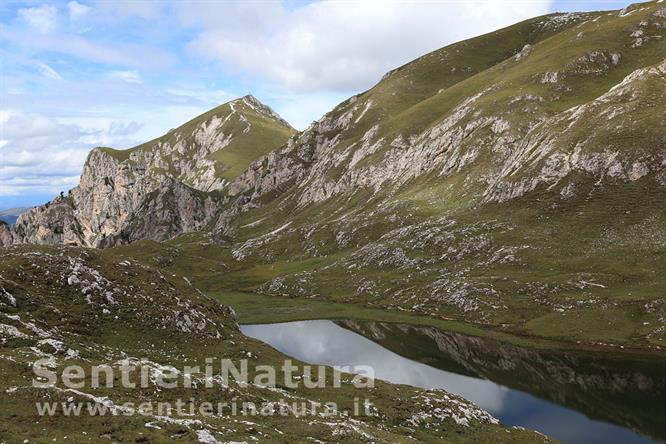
(501, 379)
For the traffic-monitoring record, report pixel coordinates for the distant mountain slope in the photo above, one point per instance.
(508, 123)
(10, 215)
(212, 148)
(202, 155)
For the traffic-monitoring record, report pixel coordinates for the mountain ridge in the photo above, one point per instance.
(513, 197)
(486, 204)
(114, 183)
(453, 186)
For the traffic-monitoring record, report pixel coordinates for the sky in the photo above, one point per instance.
(84, 73)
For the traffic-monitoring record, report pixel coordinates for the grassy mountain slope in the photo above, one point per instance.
(523, 190)
(78, 307)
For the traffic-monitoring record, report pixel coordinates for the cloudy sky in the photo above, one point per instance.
(83, 73)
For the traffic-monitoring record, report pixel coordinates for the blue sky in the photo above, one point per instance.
(79, 74)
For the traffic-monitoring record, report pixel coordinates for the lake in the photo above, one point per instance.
(575, 397)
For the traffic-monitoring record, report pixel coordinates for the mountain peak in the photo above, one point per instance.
(254, 104)
(250, 98)
(202, 155)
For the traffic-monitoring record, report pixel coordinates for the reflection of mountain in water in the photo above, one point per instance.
(627, 390)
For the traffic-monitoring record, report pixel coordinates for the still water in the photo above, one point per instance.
(571, 396)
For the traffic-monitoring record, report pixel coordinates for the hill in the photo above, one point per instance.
(10, 215)
(515, 180)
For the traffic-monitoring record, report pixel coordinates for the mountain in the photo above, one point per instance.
(198, 158)
(10, 215)
(515, 180)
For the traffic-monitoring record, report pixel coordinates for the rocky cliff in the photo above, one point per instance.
(182, 170)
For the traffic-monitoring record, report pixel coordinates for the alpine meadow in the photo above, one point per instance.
(491, 213)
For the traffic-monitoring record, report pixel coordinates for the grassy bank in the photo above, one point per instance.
(254, 308)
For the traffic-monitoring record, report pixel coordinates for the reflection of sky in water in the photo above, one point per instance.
(324, 342)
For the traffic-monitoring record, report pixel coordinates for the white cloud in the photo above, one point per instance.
(24, 128)
(89, 49)
(145, 9)
(198, 94)
(118, 128)
(331, 45)
(40, 154)
(47, 71)
(127, 76)
(42, 18)
(77, 10)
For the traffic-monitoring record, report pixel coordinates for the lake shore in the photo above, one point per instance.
(253, 308)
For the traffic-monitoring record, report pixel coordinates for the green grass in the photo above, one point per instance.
(144, 324)
(592, 324)
(607, 250)
(601, 250)
(261, 309)
(264, 137)
(119, 155)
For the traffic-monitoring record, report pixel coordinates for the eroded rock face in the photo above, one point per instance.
(522, 158)
(574, 141)
(108, 195)
(54, 223)
(5, 235)
(172, 209)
